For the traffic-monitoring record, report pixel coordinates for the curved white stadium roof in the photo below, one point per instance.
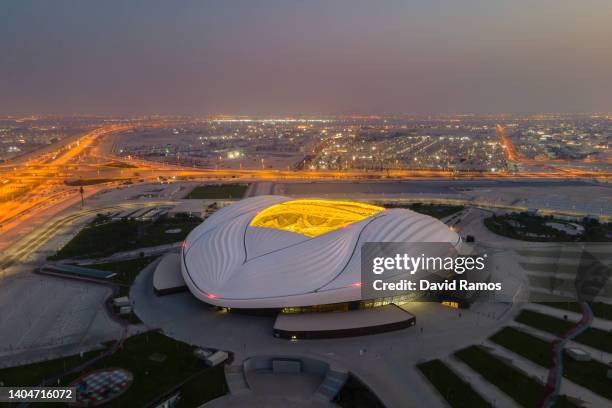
(273, 251)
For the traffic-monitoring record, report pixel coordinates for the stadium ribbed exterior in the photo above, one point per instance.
(276, 252)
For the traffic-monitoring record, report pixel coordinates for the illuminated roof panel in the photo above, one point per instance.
(313, 217)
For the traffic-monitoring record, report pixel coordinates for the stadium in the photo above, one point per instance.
(274, 252)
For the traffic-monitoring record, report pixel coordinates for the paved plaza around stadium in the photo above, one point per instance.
(384, 361)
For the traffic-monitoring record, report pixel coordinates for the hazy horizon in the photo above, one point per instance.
(258, 58)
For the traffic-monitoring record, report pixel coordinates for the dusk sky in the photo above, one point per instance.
(305, 57)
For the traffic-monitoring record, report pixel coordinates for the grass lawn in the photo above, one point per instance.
(152, 379)
(529, 227)
(205, 386)
(435, 210)
(33, 374)
(126, 274)
(458, 393)
(100, 239)
(121, 165)
(555, 253)
(600, 309)
(126, 270)
(526, 391)
(90, 182)
(525, 227)
(589, 374)
(211, 191)
(596, 338)
(551, 268)
(354, 394)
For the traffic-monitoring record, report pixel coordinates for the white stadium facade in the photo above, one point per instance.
(274, 252)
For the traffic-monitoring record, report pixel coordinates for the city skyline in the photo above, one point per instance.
(305, 58)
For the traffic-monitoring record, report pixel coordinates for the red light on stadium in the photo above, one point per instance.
(212, 296)
(184, 244)
(355, 284)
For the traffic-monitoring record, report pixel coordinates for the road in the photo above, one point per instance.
(27, 185)
(23, 248)
(35, 189)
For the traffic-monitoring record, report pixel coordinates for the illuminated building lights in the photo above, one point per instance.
(313, 217)
(454, 305)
